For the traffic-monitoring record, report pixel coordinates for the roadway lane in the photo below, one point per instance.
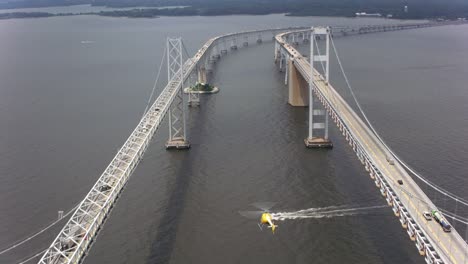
(415, 200)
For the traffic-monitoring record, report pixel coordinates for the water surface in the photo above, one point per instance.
(73, 88)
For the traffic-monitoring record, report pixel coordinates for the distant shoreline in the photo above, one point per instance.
(155, 12)
(137, 14)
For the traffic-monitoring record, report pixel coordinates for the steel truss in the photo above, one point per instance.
(177, 124)
(76, 237)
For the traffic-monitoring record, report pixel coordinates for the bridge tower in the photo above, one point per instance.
(175, 75)
(318, 118)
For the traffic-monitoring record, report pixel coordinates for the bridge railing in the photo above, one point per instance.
(388, 189)
(386, 186)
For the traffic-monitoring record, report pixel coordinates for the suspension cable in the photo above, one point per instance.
(454, 216)
(19, 243)
(332, 96)
(185, 50)
(434, 186)
(33, 256)
(155, 82)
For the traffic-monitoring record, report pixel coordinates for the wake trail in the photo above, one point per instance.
(324, 212)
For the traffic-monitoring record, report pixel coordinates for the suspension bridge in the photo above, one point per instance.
(307, 79)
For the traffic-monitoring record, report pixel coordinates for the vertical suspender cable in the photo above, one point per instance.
(437, 188)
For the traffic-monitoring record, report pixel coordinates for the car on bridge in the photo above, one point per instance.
(427, 215)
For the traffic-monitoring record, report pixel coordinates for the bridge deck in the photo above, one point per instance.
(451, 245)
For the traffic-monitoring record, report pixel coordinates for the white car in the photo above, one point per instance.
(427, 215)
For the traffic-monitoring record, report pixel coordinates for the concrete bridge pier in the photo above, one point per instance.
(281, 62)
(277, 52)
(208, 67)
(295, 41)
(234, 44)
(305, 38)
(298, 93)
(246, 41)
(224, 48)
(259, 39)
(201, 73)
(215, 53)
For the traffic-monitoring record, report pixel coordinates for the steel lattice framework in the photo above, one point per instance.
(78, 234)
(75, 239)
(177, 128)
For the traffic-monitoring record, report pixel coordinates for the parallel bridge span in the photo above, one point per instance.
(409, 201)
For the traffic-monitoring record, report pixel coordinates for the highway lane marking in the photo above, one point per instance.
(378, 159)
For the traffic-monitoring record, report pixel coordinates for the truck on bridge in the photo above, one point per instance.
(441, 220)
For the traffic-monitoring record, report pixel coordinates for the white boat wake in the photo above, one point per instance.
(324, 212)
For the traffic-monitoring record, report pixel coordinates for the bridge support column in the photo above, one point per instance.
(305, 38)
(295, 41)
(315, 140)
(177, 129)
(297, 86)
(281, 62)
(246, 41)
(224, 48)
(277, 52)
(215, 54)
(234, 44)
(202, 74)
(259, 39)
(193, 97)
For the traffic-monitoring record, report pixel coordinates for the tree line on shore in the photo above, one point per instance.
(415, 9)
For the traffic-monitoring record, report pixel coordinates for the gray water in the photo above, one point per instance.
(66, 106)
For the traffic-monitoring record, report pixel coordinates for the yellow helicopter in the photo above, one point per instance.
(264, 215)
